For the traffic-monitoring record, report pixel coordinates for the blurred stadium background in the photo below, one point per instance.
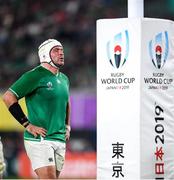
(23, 26)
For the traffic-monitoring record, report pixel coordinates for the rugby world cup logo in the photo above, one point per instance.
(159, 49)
(118, 49)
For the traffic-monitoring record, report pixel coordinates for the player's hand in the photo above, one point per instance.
(67, 135)
(35, 130)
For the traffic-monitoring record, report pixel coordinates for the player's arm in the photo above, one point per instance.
(15, 109)
(67, 120)
(23, 86)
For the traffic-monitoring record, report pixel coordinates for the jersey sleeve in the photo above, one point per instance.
(27, 83)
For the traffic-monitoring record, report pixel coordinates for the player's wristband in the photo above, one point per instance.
(68, 127)
(18, 114)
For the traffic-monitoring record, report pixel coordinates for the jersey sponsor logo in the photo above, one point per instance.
(117, 49)
(159, 49)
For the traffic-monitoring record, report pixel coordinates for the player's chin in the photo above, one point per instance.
(61, 63)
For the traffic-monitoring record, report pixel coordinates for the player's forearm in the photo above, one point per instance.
(68, 110)
(67, 121)
(12, 104)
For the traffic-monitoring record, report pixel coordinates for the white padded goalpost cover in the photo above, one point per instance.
(135, 98)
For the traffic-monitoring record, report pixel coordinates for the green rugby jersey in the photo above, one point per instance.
(46, 96)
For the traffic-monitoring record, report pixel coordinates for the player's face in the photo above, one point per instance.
(57, 55)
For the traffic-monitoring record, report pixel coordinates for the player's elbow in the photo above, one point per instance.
(5, 97)
(9, 98)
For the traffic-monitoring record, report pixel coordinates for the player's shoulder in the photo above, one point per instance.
(37, 71)
(64, 76)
